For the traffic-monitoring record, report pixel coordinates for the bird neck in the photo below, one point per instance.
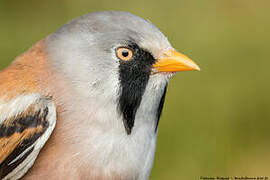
(91, 131)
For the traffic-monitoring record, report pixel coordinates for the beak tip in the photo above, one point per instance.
(197, 68)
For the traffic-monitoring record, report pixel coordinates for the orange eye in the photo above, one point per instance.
(124, 54)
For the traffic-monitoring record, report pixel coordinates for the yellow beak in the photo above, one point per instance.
(174, 62)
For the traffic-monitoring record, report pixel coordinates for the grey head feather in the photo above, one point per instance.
(120, 26)
(86, 46)
(83, 51)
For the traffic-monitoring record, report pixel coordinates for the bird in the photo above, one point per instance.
(85, 101)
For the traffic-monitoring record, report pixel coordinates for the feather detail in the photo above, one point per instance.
(26, 123)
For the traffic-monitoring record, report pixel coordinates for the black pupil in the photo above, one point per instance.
(125, 53)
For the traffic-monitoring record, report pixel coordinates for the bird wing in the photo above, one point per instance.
(26, 123)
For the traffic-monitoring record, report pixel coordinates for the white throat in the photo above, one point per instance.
(101, 138)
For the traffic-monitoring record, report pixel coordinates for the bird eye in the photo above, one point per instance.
(124, 54)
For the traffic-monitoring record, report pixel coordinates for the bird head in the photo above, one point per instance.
(117, 58)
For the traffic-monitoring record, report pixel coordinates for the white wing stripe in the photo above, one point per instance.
(21, 155)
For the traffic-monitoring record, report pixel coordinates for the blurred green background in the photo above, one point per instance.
(215, 122)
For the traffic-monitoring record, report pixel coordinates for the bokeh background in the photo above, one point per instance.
(215, 122)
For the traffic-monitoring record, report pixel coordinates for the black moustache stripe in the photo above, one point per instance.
(134, 76)
(160, 107)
